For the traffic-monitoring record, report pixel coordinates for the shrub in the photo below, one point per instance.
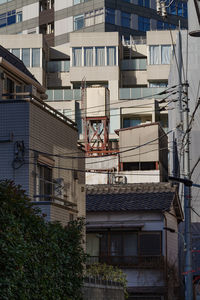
(107, 272)
(38, 260)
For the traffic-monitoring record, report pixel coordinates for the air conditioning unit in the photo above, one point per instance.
(120, 179)
(59, 188)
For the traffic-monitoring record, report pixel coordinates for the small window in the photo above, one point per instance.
(110, 15)
(150, 243)
(36, 57)
(143, 24)
(100, 56)
(126, 19)
(78, 22)
(111, 56)
(19, 17)
(16, 52)
(45, 182)
(88, 56)
(26, 56)
(77, 57)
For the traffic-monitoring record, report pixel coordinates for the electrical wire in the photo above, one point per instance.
(83, 157)
(72, 112)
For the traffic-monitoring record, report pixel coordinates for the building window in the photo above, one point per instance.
(78, 1)
(143, 24)
(77, 57)
(145, 3)
(36, 57)
(78, 22)
(26, 56)
(157, 84)
(125, 19)
(160, 54)
(124, 248)
(154, 55)
(16, 52)
(165, 54)
(110, 15)
(165, 26)
(88, 56)
(111, 56)
(131, 122)
(45, 182)
(19, 17)
(9, 18)
(100, 56)
(150, 243)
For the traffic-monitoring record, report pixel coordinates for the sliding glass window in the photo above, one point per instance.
(100, 56)
(88, 56)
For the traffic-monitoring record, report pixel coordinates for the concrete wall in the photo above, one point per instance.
(136, 137)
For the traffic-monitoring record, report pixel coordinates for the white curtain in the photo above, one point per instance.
(154, 55)
(88, 57)
(100, 56)
(77, 57)
(165, 54)
(111, 56)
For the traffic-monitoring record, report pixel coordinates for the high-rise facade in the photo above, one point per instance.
(57, 19)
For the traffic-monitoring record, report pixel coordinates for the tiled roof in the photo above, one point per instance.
(15, 61)
(130, 197)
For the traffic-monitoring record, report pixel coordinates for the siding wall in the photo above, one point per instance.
(42, 131)
(14, 120)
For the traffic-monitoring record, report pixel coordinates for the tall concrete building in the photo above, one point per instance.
(56, 19)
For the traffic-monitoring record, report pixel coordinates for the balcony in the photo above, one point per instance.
(136, 262)
(140, 92)
(136, 64)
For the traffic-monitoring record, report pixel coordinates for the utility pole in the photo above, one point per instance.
(187, 198)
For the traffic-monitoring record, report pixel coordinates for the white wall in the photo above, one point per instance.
(30, 11)
(61, 4)
(63, 26)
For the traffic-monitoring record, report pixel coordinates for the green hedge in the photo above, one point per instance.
(38, 260)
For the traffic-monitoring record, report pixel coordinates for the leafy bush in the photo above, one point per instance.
(38, 260)
(107, 272)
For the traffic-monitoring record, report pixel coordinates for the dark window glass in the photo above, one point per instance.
(45, 182)
(110, 16)
(125, 19)
(143, 23)
(150, 243)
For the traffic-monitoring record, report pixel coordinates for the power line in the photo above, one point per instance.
(111, 154)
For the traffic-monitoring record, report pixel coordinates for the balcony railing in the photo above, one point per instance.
(140, 262)
(58, 66)
(134, 64)
(63, 95)
(141, 92)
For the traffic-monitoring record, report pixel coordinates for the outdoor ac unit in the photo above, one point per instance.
(59, 188)
(120, 179)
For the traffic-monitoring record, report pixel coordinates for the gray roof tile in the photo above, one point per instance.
(130, 197)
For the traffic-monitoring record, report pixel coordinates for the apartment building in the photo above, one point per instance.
(57, 19)
(33, 139)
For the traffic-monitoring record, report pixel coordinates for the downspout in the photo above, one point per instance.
(166, 277)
